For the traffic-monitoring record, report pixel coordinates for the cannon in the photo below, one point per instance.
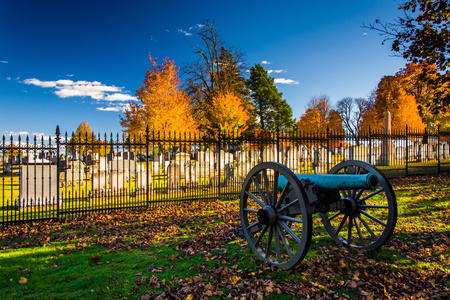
(355, 201)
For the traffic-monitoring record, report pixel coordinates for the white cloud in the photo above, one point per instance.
(3, 61)
(187, 32)
(70, 75)
(8, 78)
(37, 82)
(96, 90)
(119, 97)
(15, 133)
(285, 81)
(365, 33)
(265, 62)
(275, 71)
(108, 108)
(184, 32)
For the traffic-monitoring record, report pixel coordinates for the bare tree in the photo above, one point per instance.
(218, 70)
(351, 111)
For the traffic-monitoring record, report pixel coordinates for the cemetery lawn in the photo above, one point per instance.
(191, 251)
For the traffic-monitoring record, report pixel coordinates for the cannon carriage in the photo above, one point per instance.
(355, 201)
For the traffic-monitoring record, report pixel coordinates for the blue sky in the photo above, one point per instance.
(63, 62)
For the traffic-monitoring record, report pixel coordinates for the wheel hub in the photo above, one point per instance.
(267, 215)
(350, 206)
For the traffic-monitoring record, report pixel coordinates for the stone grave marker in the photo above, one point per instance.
(292, 159)
(38, 186)
(99, 180)
(173, 177)
(117, 180)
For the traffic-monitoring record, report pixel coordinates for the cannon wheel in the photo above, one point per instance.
(274, 234)
(368, 219)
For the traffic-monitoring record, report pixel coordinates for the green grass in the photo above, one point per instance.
(191, 249)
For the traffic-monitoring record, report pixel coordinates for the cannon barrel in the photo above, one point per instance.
(367, 181)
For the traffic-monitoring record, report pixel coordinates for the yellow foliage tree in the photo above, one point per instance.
(228, 111)
(319, 116)
(162, 107)
(392, 96)
(83, 139)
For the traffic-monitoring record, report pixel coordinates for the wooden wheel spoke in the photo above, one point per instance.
(334, 216)
(269, 241)
(251, 210)
(358, 195)
(374, 206)
(288, 205)
(261, 235)
(278, 246)
(341, 224)
(358, 229)
(374, 237)
(373, 218)
(370, 195)
(287, 218)
(252, 225)
(349, 232)
(275, 188)
(283, 194)
(285, 242)
(290, 232)
(262, 204)
(267, 186)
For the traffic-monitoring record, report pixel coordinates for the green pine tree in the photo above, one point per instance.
(271, 109)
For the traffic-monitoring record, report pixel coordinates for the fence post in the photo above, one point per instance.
(328, 148)
(58, 137)
(147, 188)
(438, 149)
(370, 146)
(407, 152)
(218, 163)
(278, 145)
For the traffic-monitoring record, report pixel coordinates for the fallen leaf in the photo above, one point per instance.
(22, 280)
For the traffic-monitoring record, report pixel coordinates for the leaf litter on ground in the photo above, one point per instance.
(206, 231)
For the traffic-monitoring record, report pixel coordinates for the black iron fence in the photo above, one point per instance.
(67, 176)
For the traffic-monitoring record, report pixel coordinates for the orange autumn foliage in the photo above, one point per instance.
(228, 111)
(163, 106)
(391, 96)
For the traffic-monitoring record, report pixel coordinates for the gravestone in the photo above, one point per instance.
(38, 186)
(173, 177)
(292, 159)
(141, 180)
(360, 152)
(253, 157)
(268, 154)
(117, 180)
(303, 154)
(229, 173)
(400, 154)
(429, 149)
(155, 167)
(182, 159)
(99, 180)
(444, 152)
(74, 174)
(7, 169)
(412, 152)
(191, 175)
(421, 154)
(241, 156)
(241, 171)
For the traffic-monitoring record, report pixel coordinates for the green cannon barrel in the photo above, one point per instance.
(336, 181)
